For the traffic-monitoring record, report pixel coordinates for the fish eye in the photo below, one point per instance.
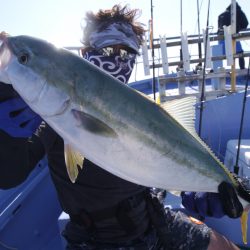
(23, 58)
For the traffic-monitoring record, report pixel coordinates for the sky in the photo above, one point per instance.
(59, 21)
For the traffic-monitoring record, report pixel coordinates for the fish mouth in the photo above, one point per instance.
(5, 57)
(5, 53)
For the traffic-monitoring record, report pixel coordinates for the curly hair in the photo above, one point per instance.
(103, 18)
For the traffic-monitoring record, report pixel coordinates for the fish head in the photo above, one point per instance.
(27, 64)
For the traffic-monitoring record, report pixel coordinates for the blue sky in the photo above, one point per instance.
(59, 20)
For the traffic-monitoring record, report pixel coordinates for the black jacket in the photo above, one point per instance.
(94, 190)
(225, 19)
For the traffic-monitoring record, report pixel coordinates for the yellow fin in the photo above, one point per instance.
(73, 161)
(175, 193)
(244, 220)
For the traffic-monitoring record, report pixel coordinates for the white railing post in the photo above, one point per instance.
(206, 42)
(185, 52)
(162, 90)
(228, 45)
(164, 54)
(233, 17)
(181, 84)
(222, 80)
(145, 59)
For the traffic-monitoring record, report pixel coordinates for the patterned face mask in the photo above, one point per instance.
(117, 65)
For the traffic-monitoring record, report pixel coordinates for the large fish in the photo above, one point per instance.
(109, 123)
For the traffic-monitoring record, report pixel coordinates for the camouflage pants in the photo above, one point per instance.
(148, 241)
(181, 233)
(185, 233)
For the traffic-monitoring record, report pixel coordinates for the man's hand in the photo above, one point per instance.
(230, 202)
(214, 204)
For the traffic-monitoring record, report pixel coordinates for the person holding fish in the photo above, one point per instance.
(106, 212)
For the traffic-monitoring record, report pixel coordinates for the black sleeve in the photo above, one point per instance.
(7, 92)
(224, 19)
(18, 157)
(242, 21)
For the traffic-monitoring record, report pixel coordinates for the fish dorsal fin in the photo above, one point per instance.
(183, 111)
(73, 160)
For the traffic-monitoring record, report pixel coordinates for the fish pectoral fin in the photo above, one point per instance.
(74, 161)
(93, 124)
